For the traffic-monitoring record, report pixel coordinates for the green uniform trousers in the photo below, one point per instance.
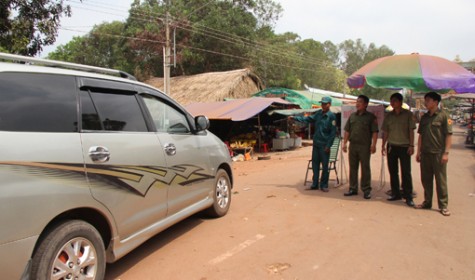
(430, 168)
(360, 154)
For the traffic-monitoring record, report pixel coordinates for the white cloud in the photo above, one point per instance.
(438, 28)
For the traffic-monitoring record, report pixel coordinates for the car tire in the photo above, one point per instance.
(221, 195)
(71, 249)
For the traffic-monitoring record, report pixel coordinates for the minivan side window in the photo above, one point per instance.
(165, 117)
(37, 103)
(111, 111)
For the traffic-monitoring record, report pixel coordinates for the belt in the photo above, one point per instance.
(399, 146)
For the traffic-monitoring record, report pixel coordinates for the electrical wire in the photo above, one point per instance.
(190, 47)
(153, 17)
(230, 38)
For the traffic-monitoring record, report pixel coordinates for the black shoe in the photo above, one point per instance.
(367, 195)
(394, 198)
(410, 203)
(350, 193)
(324, 189)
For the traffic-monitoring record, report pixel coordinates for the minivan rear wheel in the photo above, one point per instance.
(222, 195)
(71, 250)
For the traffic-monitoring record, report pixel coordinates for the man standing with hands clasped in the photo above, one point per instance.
(435, 139)
(325, 131)
(398, 128)
(361, 130)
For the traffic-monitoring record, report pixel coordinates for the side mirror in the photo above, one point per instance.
(201, 123)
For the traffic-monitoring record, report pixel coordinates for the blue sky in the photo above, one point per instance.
(433, 27)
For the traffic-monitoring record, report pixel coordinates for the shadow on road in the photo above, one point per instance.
(114, 270)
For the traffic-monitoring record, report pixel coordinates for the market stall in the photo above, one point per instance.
(243, 123)
(470, 97)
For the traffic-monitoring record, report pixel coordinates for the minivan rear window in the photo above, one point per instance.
(37, 103)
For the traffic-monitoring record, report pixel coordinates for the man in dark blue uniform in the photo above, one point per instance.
(325, 131)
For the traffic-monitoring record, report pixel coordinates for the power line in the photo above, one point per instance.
(207, 31)
(230, 38)
(198, 49)
(234, 39)
(197, 9)
(106, 8)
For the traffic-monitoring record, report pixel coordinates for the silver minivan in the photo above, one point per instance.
(92, 165)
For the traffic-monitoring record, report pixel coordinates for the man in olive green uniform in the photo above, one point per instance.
(398, 127)
(361, 130)
(435, 139)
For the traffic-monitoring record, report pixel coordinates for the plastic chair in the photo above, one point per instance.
(331, 162)
(264, 148)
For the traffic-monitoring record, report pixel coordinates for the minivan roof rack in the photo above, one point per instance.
(67, 65)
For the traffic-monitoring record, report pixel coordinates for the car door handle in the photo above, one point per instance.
(99, 154)
(170, 149)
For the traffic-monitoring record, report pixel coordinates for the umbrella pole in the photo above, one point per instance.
(343, 171)
(382, 175)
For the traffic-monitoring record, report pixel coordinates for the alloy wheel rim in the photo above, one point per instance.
(77, 260)
(222, 194)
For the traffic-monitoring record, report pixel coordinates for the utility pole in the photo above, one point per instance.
(166, 53)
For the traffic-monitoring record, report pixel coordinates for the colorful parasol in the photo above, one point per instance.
(420, 73)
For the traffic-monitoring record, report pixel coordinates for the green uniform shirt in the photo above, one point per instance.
(399, 127)
(361, 128)
(433, 130)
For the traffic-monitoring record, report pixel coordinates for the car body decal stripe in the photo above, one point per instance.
(138, 179)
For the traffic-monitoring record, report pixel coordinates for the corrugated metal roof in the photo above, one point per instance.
(235, 110)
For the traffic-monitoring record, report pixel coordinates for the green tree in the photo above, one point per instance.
(318, 69)
(274, 59)
(285, 60)
(27, 26)
(210, 35)
(332, 52)
(103, 46)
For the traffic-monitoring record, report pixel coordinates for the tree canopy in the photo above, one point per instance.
(27, 26)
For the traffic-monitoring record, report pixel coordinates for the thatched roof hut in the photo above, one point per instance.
(210, 87)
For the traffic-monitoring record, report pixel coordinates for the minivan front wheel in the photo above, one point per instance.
(221, 196)
(71, 250)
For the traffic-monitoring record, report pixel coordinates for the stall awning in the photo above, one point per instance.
(305, 99)
(235, 110)
(295, 112)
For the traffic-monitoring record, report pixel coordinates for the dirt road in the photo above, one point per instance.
(278, 230)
